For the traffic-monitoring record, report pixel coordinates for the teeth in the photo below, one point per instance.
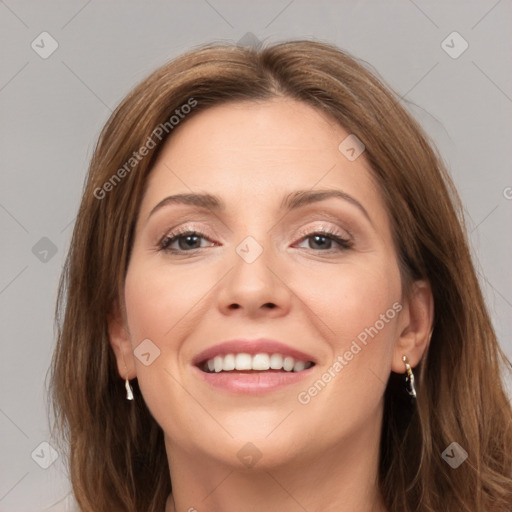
(229, 363)
(288, 364)
(299, 366)
(276, 361)
(217, 363)
(259, 362)
(243, 362)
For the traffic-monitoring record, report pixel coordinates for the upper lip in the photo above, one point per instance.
(252, 347)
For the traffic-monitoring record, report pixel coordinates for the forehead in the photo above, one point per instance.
(258, 149)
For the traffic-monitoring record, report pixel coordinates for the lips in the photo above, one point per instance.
(252, 367)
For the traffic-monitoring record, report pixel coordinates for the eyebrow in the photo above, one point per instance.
(292, 201)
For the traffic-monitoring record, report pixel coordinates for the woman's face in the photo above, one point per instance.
(279, 261)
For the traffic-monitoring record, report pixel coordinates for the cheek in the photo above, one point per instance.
(147, 306)
(350, 298)
(158, 297)
(358, 307)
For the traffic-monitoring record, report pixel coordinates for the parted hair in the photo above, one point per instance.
(115, 448)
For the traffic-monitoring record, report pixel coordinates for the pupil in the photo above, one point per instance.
(189, 240)
(316, 239)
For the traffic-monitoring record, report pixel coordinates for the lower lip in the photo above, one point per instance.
(254, 382)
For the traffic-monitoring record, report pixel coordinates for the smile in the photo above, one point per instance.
(258, 363)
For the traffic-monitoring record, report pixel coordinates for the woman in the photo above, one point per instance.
(268, 263)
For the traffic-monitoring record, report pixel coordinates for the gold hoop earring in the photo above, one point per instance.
(409, 378)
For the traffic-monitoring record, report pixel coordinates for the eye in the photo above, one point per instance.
(324, 240)
(186, 241)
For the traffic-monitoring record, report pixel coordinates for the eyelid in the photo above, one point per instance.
(184, 228)
(304, 231)
(181, 232)
(327, 229)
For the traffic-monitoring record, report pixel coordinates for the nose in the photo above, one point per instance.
(255, 288)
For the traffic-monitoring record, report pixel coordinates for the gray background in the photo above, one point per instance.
(53, 109)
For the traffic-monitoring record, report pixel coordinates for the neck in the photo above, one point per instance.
(343, 478)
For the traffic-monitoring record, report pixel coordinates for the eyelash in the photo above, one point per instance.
(167, 240)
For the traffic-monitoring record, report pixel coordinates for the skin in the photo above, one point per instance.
(319, 456)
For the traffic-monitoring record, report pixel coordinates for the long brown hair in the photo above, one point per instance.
(117, 457)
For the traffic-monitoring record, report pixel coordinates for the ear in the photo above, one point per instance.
(120, 341)
(415, 326)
